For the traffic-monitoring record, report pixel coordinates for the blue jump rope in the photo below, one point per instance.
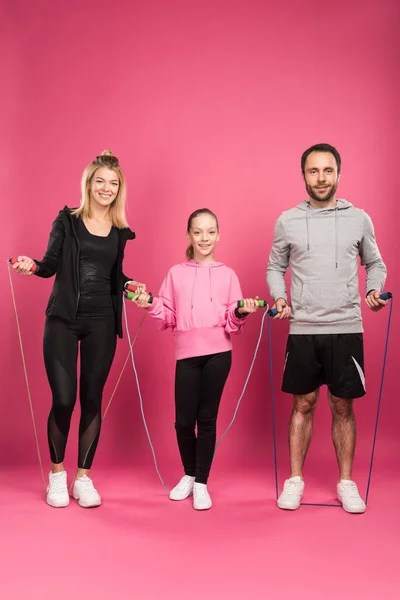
(271, 312)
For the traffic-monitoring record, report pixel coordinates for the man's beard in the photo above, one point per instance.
(330, 192)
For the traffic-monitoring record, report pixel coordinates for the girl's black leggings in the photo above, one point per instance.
(199, 383)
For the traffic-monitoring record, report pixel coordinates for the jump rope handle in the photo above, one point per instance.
(385, 296)
(131, 293)
(261, 303)
(14, 260)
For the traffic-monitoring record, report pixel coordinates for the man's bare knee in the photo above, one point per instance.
(340, 406)
(306, 403)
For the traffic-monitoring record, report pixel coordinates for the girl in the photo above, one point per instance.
(198, 300)
(85, 253)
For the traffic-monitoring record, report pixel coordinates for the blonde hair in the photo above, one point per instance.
(197, 213)
(117, 208)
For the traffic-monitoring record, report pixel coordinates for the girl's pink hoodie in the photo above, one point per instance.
(198, 303)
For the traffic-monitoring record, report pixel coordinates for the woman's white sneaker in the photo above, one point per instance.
(57, 491)
(347, 493)
(201, 497)
(183, 489)
(85, 492)
(292, 494)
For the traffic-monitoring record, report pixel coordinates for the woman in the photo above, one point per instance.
(85, 252)
(198, 300)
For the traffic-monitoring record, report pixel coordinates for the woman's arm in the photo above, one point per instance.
(48, 266)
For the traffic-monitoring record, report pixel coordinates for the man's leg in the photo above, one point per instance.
(346, 381)
(344, 440)
(300, 430)
(343, 434)
(302, 372)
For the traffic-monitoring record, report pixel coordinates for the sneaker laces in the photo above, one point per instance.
(184, 482)
(292, 487)
(87, 484)
(351, 490)
(57, 483)
(201, 491)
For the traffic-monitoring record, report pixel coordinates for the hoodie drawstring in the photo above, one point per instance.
(336, 238)
(336, 232)
(194, 284)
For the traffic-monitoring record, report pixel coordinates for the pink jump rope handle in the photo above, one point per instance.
(14, 260)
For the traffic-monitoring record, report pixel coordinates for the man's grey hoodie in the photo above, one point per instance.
(321, 246)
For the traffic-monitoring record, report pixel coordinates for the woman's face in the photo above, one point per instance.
(104, 187)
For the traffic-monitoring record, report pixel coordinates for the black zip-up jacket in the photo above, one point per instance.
(62, 260)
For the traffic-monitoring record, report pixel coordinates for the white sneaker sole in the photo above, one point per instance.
(180, 498)
(63, 505)
(353, 511)
(86, 505)
(202, 507)
(284, 506)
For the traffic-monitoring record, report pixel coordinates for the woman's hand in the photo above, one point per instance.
(140, 287)
(23, 265)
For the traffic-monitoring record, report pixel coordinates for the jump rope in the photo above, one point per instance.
(130, 293)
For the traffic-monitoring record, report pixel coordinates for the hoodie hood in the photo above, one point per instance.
(194, 263)
(312, 212)
(341, 204)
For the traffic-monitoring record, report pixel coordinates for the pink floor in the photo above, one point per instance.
(139, 544)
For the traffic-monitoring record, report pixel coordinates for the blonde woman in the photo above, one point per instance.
(85, 252)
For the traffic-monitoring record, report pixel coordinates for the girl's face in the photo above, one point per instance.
(203, 236)
(104, 187)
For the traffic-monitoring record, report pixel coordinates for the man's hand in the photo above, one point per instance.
(283, 309)
(374, 302)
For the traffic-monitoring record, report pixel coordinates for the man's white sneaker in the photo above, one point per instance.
(347, 493)
(183, 489)
(85, 492)
(57, 490)
(292, 494)
(201, 497)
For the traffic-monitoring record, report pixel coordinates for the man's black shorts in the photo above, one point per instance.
(336, 360)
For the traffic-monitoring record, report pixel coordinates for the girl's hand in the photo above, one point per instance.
(250, 305)
(24, 265)
(142, 300)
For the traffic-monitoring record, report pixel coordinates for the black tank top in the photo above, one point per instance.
(97, 257)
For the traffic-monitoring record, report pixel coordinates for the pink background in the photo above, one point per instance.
(206, 104)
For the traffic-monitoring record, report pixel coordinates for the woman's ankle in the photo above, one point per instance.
(81, 472)
(57, 468)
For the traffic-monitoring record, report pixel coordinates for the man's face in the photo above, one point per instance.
(321, 176)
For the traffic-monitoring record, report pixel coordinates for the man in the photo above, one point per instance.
(321, 240)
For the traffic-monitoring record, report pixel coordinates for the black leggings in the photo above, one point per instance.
(98, 340)
(199, 383)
